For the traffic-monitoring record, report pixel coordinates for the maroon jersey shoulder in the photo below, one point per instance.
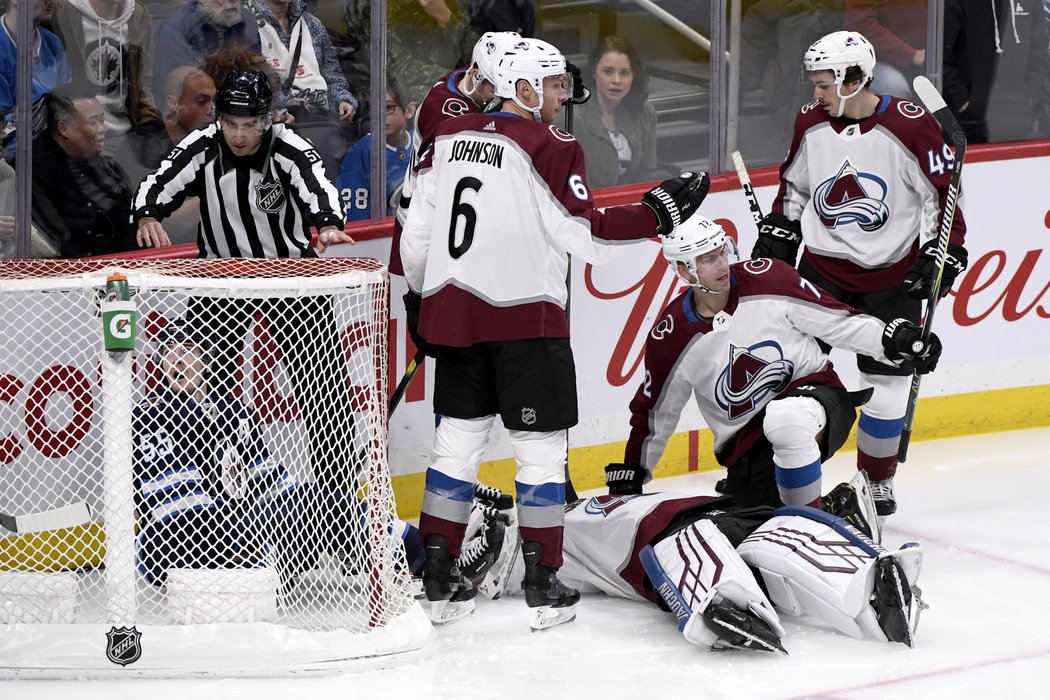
(912, 125)
(443, 102)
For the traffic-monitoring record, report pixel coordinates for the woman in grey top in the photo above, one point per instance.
(617, 129)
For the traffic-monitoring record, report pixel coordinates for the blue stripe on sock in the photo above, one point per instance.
(541, 495)
(798, 477)
(880, 427)
(449, 487)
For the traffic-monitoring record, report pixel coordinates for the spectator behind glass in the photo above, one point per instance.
(50, 67)
(316, 92)
(189, 102)
(355, 175)
(502, 16)
(425, 40)
(199, 30)
(897, 30)
(617, 129)
(109, 45)
(81, 198)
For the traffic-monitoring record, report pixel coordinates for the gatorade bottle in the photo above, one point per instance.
(119, 317)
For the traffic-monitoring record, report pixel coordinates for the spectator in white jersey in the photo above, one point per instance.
(493, 309)
(742, 340)
(261, 187)
(863, 186)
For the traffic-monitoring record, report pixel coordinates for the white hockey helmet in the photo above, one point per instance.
(692, 238)
(489, 50)
(838, 51)
(531, 60)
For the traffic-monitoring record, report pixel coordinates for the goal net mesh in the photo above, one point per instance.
(231, 468)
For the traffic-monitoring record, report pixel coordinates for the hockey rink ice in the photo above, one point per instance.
(979, 506)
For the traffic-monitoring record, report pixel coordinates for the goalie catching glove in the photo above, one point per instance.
(902, 340)
(778, 238)
(923, 274)
(625, 479)
(675, 200)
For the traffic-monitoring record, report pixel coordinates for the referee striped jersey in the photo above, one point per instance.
(257, 206)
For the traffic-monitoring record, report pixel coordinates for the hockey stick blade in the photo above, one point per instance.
(934, 102)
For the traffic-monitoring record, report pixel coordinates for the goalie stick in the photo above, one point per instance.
(932, 101)
(745, 182)
(66, 516)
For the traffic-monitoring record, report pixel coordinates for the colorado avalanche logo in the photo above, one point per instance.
(604, 505)
(753, 376)
(454, 107)
(663, 328)
(852, 197)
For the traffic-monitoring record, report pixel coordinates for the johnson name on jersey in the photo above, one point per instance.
(499, 203)
(868, 193)
(760, 346)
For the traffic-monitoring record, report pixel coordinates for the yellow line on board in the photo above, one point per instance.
(935, 418)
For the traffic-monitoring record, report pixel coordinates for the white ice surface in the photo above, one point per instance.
(977, 504)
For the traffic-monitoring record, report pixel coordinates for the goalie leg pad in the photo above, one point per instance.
(697, 568)
(813, 563)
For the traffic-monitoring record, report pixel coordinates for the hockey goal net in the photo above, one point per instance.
(214, 499)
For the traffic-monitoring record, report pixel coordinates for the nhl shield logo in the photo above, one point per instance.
(528, 415)
(269, 196)
(123, 645)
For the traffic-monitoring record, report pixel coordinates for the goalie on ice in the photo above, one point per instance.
(728, 572)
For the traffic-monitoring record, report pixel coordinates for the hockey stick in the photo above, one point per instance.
(932, 100)
(59, 518)
(745, 182)
(402, 386)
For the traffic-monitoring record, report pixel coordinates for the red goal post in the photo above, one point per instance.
(216, 500)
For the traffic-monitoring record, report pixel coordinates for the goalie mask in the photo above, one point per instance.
(531, 60)
(837, 52)
(689, 240)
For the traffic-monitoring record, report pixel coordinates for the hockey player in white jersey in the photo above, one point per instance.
(863, 185)
(500, 201)
(690, 555)
(742, 340)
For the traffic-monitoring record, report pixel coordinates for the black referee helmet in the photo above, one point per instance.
(244, 93)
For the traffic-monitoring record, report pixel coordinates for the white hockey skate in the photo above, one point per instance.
(546, 617)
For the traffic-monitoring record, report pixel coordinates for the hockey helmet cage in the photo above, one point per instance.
(526, 59)
(488, 51)
(838, 51)
(244, 93)
(179, 332)
(692, 238)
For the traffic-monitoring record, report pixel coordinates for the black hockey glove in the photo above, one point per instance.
(624, 479)
(902, 340)
(675, 200)
(923, 273)
(413, 302)
(778, 238)
(580, 93)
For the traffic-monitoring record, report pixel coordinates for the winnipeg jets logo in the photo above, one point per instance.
(103, 64)
(852, 197)
(753, 376)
